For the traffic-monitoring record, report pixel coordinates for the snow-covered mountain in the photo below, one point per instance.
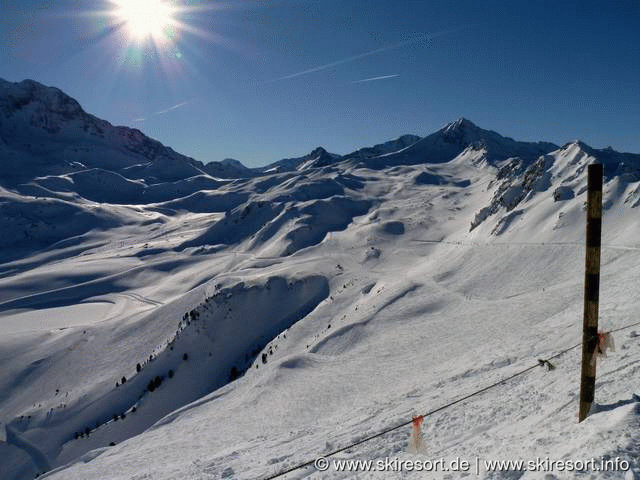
(46, 132)
(396, 145)
(229, 168)
(453, 139)
(318, 157)
(222, 322)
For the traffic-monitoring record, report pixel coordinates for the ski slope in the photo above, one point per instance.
(240, 327)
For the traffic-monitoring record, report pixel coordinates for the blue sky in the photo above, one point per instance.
(263, 80)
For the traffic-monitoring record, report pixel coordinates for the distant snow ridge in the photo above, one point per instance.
(261, 221)
(562, 174)
(450, 141)
(53, 149)
(319, 157)
(384, 148)
(47, 132)
(517, 183)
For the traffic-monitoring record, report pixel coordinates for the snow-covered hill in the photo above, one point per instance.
(202, 326)
(318, 157)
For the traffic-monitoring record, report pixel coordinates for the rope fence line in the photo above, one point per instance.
(624, 328)
(540, 363)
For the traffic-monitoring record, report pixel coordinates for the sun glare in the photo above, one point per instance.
(144, 19)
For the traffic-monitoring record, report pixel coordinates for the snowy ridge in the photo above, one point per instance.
(384, 148)
(318, 302)
(220, 339)
(319, 157)
(46, 131)
(563, 174)
(453, 139)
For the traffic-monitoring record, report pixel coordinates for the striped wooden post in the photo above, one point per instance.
(591, 289)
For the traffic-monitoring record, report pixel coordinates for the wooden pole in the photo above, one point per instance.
(591, 290)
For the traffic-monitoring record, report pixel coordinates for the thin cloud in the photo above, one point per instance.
(373, 79)
(166, 110)
(427, 38)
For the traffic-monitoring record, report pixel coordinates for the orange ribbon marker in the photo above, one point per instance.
(415, 443)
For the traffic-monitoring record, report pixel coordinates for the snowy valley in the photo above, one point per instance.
(162, 318)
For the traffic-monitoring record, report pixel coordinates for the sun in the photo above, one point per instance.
(145, 19)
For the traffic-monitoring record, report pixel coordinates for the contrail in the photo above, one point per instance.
(427, 37)
(162, 112)
(373, 79)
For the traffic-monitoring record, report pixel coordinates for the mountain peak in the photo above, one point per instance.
(318, 151)
(463, 132)
(459, 125)
(44, 131)
(21, 94)
(232, 162)
(579, 144)
(454, 138)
